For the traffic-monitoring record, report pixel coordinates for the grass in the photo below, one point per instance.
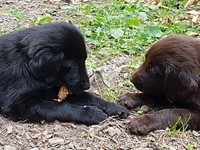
(179, 127)
(115, 27)
(112, 27)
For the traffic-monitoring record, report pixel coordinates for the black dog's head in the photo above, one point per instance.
(57, 55)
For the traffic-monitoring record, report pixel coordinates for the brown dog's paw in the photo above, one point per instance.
(141, 125)
(130, 100)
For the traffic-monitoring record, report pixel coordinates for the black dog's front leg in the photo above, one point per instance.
(90, 99)
(34, 107)
(51, 111)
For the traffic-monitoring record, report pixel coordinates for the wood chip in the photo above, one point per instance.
(62, 94)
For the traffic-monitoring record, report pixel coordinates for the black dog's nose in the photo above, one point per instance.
(85, 85)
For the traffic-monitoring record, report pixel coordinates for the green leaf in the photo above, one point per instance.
(84, 134)
(42, 19)
(116, 33)
(143, 16)
(18, 14)
(153, 31)
(133, 22)
(87, 9)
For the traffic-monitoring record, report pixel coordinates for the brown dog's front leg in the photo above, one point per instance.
(162, 119)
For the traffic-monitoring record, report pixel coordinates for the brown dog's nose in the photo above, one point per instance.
(134, 77)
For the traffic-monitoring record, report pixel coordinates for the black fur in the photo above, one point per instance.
(35, 63)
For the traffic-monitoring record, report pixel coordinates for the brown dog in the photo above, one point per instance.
(170, 73)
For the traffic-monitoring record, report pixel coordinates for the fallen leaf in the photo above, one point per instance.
(112, 131)
(189, 3)
(62, 94)
(91, 132)
(96, 92)
(193, 12)
(129, 1)
(196, 19)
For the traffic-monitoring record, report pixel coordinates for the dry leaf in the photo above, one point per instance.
(96, 92)
(112, 131)
(104, 145)
(129, 1)
(68, 20)
(78, 1)
(62, 94)
(47, 1)
(196, 19)
(156, 2)
(193, 12)
(189, 3)
(196, 16)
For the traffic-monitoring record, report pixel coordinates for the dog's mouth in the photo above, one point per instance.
(74, 90)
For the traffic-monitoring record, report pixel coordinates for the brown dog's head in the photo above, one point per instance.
(171, 67)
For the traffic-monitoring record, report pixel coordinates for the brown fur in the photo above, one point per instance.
(170, 73)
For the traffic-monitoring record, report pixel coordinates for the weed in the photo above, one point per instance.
(18, 14)
(191, 146)
(179, 127)
(41, 20)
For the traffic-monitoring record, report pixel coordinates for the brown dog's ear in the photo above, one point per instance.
(180, 84)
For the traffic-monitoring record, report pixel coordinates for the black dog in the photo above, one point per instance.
(35, 63)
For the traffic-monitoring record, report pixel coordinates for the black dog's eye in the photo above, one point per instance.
(74, 65)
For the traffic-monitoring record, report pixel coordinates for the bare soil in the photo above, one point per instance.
(109, 135)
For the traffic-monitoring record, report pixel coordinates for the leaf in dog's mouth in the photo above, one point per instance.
(62, 94)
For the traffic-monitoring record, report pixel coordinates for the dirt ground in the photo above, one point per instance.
(109, 135)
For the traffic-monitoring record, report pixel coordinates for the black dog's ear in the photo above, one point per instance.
(180, 84)
(46, 63)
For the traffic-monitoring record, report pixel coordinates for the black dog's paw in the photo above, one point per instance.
(114, 109)
(92, 115)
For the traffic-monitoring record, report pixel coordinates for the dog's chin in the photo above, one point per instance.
(73, 90)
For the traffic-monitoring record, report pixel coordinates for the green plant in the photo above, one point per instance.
(110, 94)
(191, 146)
(112, 27)
(18, 14)
(41, 20)
(164, 145)
(179, 127)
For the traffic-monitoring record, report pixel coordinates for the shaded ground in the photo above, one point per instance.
(110, 134)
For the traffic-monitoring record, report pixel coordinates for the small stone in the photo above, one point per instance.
(35, 136)
(145, 108)
(172, 148)
(34, 148)
(48, 136)
(9, 129)
(8, 147)
(195, 133)
(27, 136)
(144, 148)
(55, 141)
(32, 144)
